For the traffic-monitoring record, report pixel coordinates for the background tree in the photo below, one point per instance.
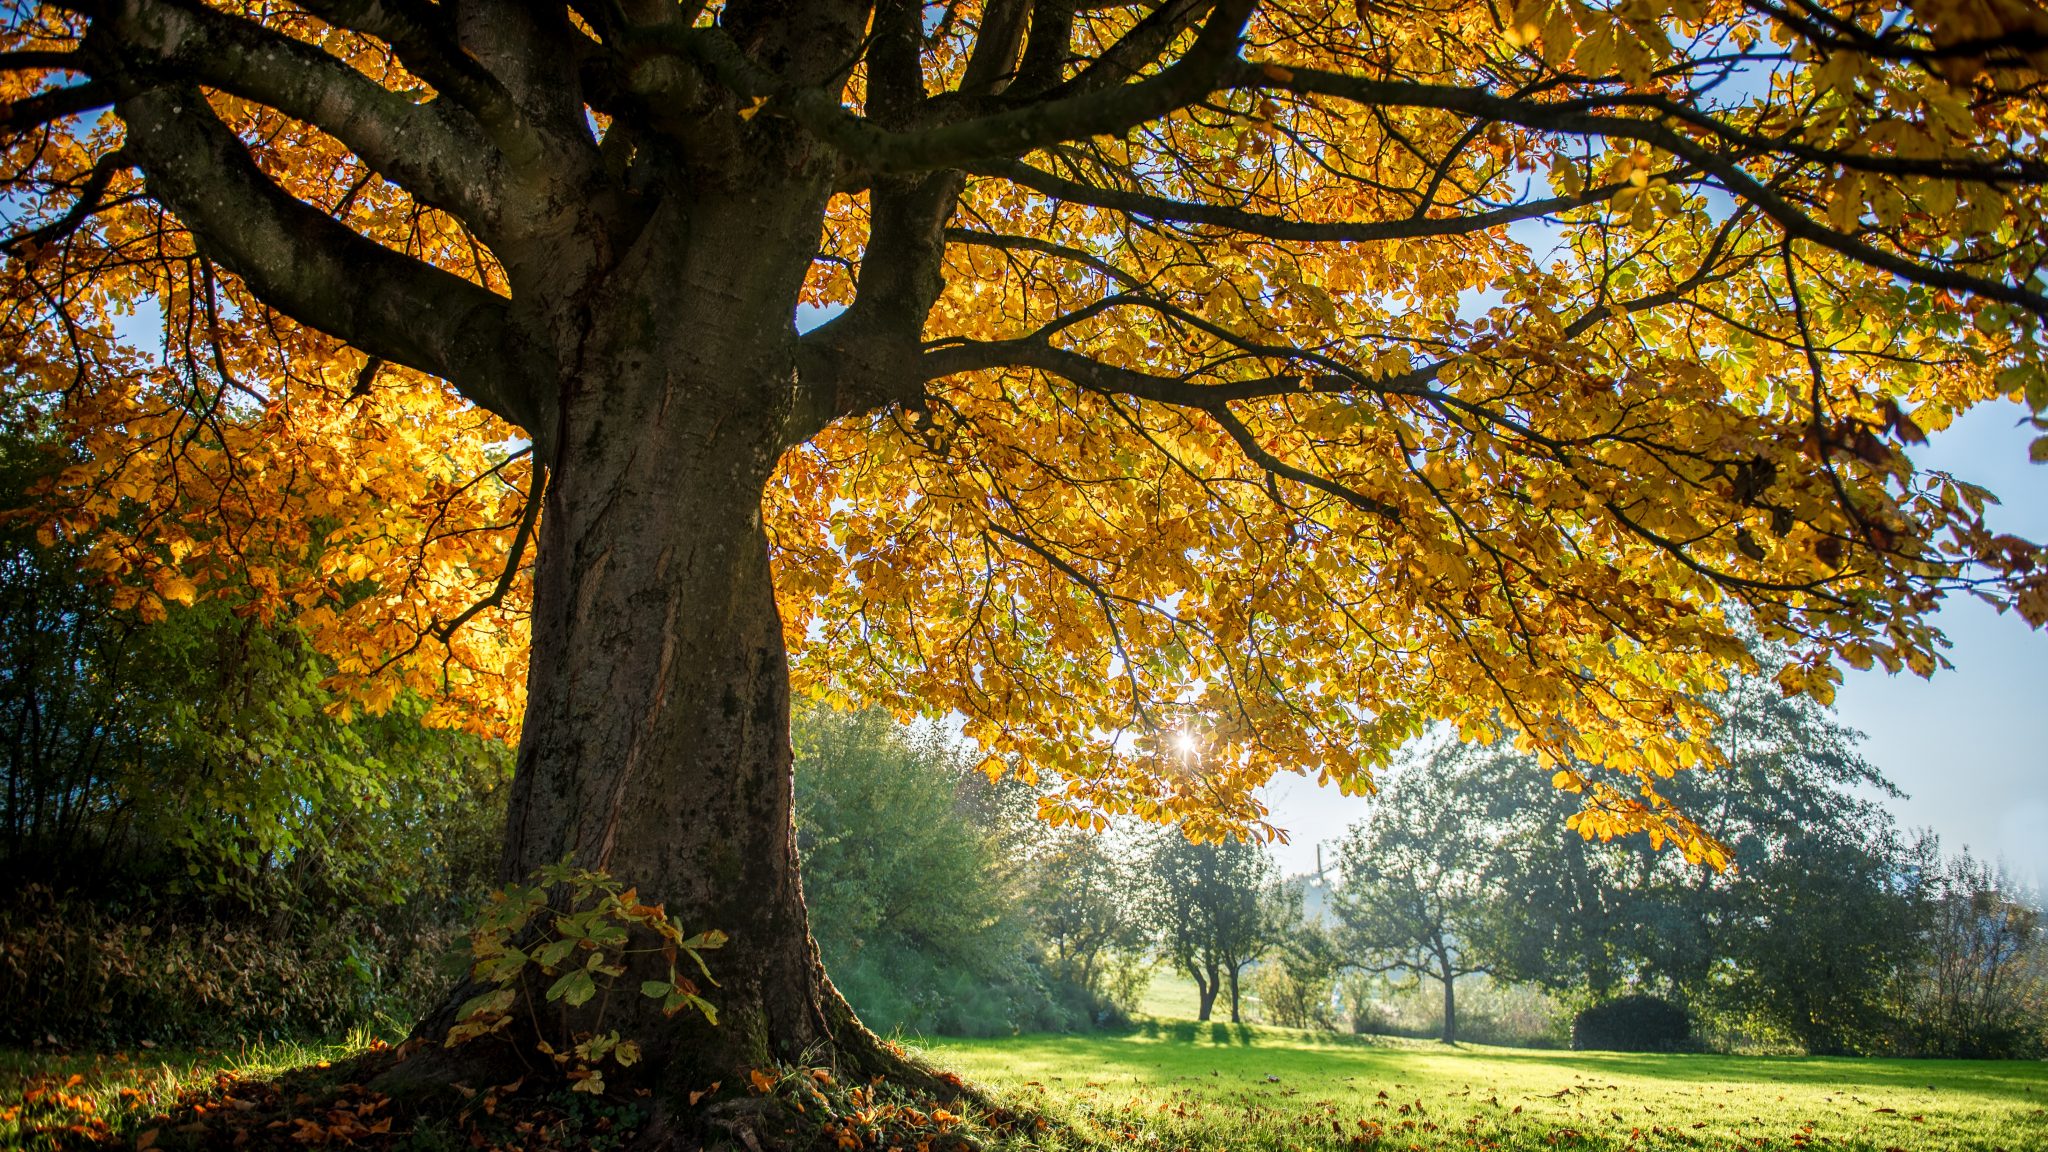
(1803, 937)
(1819, 932)
(1415, 889)
(940, 903)
(1195, 332)
(1089, 905)
(1983, 990)
(909, 903)
(1212, 912)
(195, 832)
(1578, 916)
(1296, 980)
(922, 908)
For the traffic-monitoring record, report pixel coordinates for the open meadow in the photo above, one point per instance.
(1176, 1085)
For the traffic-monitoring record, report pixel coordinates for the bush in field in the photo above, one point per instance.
(1634, 1023)
(1296, 983)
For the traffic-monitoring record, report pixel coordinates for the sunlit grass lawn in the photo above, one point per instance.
(1175, 1085)
(1172, 996)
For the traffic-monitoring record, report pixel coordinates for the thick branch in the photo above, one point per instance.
(996, 44)
(871, 148)
(1035, 351)
(314, 270)
(412, 145)
(1007, 242)
(433, 55)
(1213, 400)
(1138, 49)
(54, 104)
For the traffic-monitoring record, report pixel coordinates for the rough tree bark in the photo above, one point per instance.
(656, 743)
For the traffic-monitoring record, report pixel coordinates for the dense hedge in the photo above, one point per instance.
(1633, 1024)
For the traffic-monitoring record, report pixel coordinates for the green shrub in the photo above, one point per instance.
(1637, 1023)
(84, 973)
(921, 908)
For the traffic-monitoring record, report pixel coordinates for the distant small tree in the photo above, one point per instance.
(1414, 894)
(1299, 974)
(1212, 919)
(1984, 988)
(1088, 906)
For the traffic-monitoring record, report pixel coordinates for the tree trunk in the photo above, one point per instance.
(656, 740)
(1450, 1007)
(1235, 1016)
(1205, 991)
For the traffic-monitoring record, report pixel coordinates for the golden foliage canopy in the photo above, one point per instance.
(1295, 374)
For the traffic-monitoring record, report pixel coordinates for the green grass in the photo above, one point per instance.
(1174, 1085)
(44, 1096)
(1172, 996)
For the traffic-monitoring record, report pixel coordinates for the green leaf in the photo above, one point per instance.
(503, 967)
(557, 873)
(488, 1004)
(575, 987)
(656, 989)
(679, 999)
(706, 941)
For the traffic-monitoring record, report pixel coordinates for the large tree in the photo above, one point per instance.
(1805, 935)
(1284, 375)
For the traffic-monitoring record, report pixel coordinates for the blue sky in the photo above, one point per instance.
(1969, 747)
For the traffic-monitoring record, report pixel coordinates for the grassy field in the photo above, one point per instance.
(1176, 1085)
(106, 1096)
(1172, 996)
